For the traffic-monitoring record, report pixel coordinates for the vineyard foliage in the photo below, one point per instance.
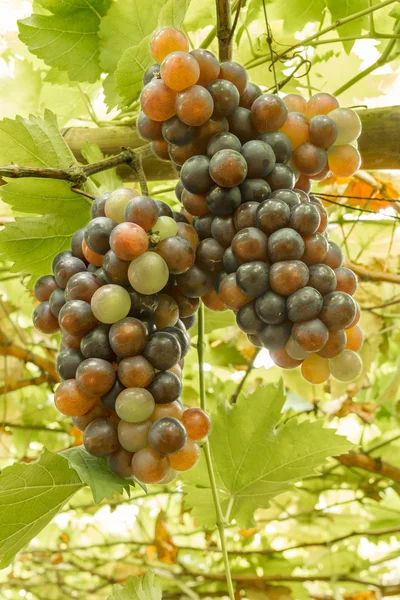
(302, 519)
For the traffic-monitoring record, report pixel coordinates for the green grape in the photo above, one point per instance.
(346, 366)
(110, 303)
(295, 350)
(134, 405)
(165, 227)
(148, 273)
(116, 202)
(348, 123)
(133, 436)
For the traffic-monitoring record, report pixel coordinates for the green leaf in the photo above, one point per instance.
(69, 42)
(138, 588)
(111, 96)
(131, 67)
(254, 460)
(125, 25)
(173, 13)
(96, 473)
(297, 14)
(30, 496)
(19, 94)
(340, 9)
(62, 7)
(108, 180)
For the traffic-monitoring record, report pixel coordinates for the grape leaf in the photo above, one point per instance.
(106, 181)
(297, 14)
(254, 460)
(30, 496)
(131, 67)
(125, 25)
(67, 41)
(173, 13)
(62, 7)
(138, 588)
(95, 473)
(344, 8)
(31, 243)
(111, 97)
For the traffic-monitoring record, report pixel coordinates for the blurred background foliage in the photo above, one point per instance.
(336, 534)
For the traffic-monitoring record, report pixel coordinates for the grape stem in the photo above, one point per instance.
(224, 28)
(250, 367)
(208, 457)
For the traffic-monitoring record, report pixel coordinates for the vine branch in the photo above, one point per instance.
(373, 465)
(224, 28)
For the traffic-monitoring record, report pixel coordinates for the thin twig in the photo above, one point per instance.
(235, 22)
(250, 367)
(269, 42)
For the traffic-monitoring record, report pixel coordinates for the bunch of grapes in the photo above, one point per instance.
(245, 161)
(123, 315)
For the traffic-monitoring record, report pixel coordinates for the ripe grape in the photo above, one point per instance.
(195, 282)
(178, 254)
(280, 144)
(77, 318)
(44, 287)
(189, 233)
(228, 168)
(209, 255)
(346, 280)
(135, 372)
(245, 216)
(251, 93)
(209, 66)
(281, 177)
(139, 269)
(344, 160)
(180, 154)
(44, 320)
(167, 435)
(142, 305)
(254, 340)
(160, 148)
(223, 230)
(260, 158)
(348, 125)
(166, 313)
(100, 438)
(230, 263)
(110, 303)
(272, 215)
(195, 204)
(82, 286)
(250, 244)
(58, 257)
(94, 259)
(167, 40)
(248, 319)
(355, 338)
(76, 244)
(323, 131)
(322, 278)
(334, 256)
(67, 362)
(187, 306)
(71, 401)
(296, 127)
(315, 369)
(158, 101)
(290, 197)
(202, 226)
(179, 70)
(149, 466)
(222, 201)
(134, 405)
(98, 411)
(230, 293)
(65, 268)
(232, 71)
(97, 234)
(254, 190)
(315, 249)
(253, 278)
(305, 219)
(148, 129)
(223, 141)
(285, 244)
(162, 350)
(176, 132)
(115, 269)
(271, 308)
(128, 337)
(194, 106)
(309, 159)
(346, 366)
(303, 305)
(95, 344)
(57, 301)
(143, 211)
(151, 72)
(180, 334)
(195, 175)
(185, 459)
(338, 311)
(71, 341)
(128, 241)
(321, 104)
(213, 126)
(323, 215)
(288, 276)
(283, 360)
(241, 125)
(116, 203)
(295, 351)
(170, 409)
(310, 335)
(275, 337)
(166, 387)
(95, 376)
(295, 102)
(120, 462)
(110, 398)
(268, 113)
(98, 206)
(334, 345)
(213, 301)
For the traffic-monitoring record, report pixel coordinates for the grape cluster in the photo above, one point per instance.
(245, 161)
(123, 315)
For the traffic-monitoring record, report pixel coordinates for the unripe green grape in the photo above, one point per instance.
(346, 366)
(148, 273)
(110, 303)
(133, 436)
(116, 202)
(295, 351)
(134, 405)
(165, 227)
(348, 123)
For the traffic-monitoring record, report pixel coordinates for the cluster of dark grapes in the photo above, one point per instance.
(118, 300)
(245, 161)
